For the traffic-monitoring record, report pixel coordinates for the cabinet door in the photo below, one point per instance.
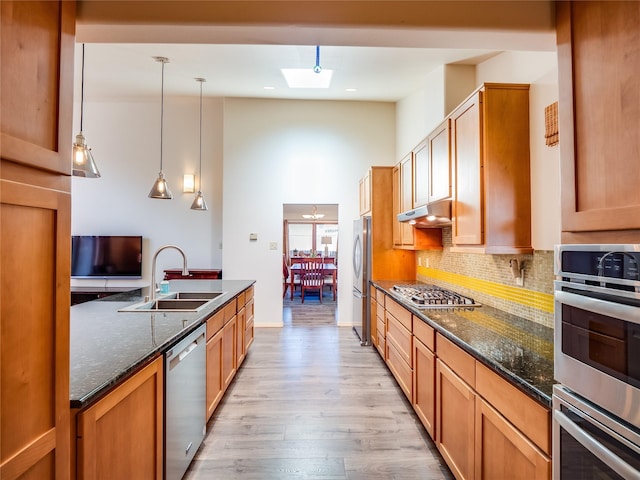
(503, 452)
(229, 351)
(249, 328)
(599, 137)
(242, 324)
(467, 164)
(439, 163)
(406, 199)
(215, 382)
(121, 435)
(421, 180)
(365, 194)
(455, 421)
(424, 385)
(396, 200)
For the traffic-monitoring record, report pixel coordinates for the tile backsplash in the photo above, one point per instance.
(488, 279)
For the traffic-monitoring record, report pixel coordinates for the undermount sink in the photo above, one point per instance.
(194, 295)
(175, 302)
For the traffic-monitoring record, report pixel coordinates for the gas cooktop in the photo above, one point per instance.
(431, 296)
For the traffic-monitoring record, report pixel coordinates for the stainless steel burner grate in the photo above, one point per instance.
(432, 296)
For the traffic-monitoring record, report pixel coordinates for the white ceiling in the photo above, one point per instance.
(377, 73)
(378, 48)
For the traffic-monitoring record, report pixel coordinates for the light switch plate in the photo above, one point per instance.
(273, 245)
(253, 237)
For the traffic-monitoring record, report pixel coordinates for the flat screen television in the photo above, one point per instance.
(106, 256)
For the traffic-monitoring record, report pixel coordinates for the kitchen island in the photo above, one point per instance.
(479, 379)
(118, 376)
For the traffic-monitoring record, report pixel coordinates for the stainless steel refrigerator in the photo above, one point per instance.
(361, 276)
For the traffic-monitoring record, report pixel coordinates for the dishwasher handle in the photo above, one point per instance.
(177, 359)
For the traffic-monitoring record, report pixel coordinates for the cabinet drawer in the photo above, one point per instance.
(463, 364)
(401, 370)
(380, 312)
(382, 345)
(230, 310)
(241, 299)
(248, 294)
(401, 338)
(215, 323)
(372, 292)
(527, 415)
(400, 313)
(425, 333)
(380, 297)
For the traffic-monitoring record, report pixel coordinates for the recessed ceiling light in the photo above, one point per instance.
(307, 78)
(351, 89)
(269, 88)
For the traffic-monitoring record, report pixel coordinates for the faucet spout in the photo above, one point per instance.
(185, 270)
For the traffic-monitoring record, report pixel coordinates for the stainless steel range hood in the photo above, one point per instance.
(436, 214)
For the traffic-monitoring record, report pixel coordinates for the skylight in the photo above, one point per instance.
(307, 78)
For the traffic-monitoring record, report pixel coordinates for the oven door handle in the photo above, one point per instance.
(610, 309)
(621, 467)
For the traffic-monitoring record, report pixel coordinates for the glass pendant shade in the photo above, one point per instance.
(198, 202)
(160, 188)
(83, 163)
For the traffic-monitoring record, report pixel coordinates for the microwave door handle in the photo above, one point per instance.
(621, 467)
(610, 309)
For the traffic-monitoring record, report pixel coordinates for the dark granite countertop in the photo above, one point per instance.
(107, 345)
(519, 350)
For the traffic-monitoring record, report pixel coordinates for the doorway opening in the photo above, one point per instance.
(309, 236)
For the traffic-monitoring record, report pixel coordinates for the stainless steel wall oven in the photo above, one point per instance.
(597, 362)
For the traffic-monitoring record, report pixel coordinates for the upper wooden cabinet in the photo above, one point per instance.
(491, 179)
(405, 236)
(432, 167)
(37, 83)
(599, 120)
(439, 146)
(365, 194)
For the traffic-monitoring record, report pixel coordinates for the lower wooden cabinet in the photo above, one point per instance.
(455, 421)
(484, 426)
(502, 451)
(120, 436)
(241, 320)
(248, 329)
(424, 375)
(215, 382)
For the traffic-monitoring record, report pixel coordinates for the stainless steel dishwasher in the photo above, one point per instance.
(185, 402)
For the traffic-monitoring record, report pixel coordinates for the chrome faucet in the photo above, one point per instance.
(185, 270)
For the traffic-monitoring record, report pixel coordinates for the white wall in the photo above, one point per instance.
(278, 152)
(124, 135)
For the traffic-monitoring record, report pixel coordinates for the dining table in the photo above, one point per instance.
(328, 269)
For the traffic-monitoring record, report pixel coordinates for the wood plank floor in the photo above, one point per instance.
(310, 403)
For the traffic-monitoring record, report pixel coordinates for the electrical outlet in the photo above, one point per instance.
(427, 263)
(520, 281)
(273, 245)
(419, 261)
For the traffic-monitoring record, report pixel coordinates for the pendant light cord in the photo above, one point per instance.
(161, 111)
(200, 170)
(82, 91)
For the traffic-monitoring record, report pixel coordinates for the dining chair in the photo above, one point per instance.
(331, 281)
(312, 277)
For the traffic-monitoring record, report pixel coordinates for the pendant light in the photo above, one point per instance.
(160, 188)
(83, 163)
(198, 202)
